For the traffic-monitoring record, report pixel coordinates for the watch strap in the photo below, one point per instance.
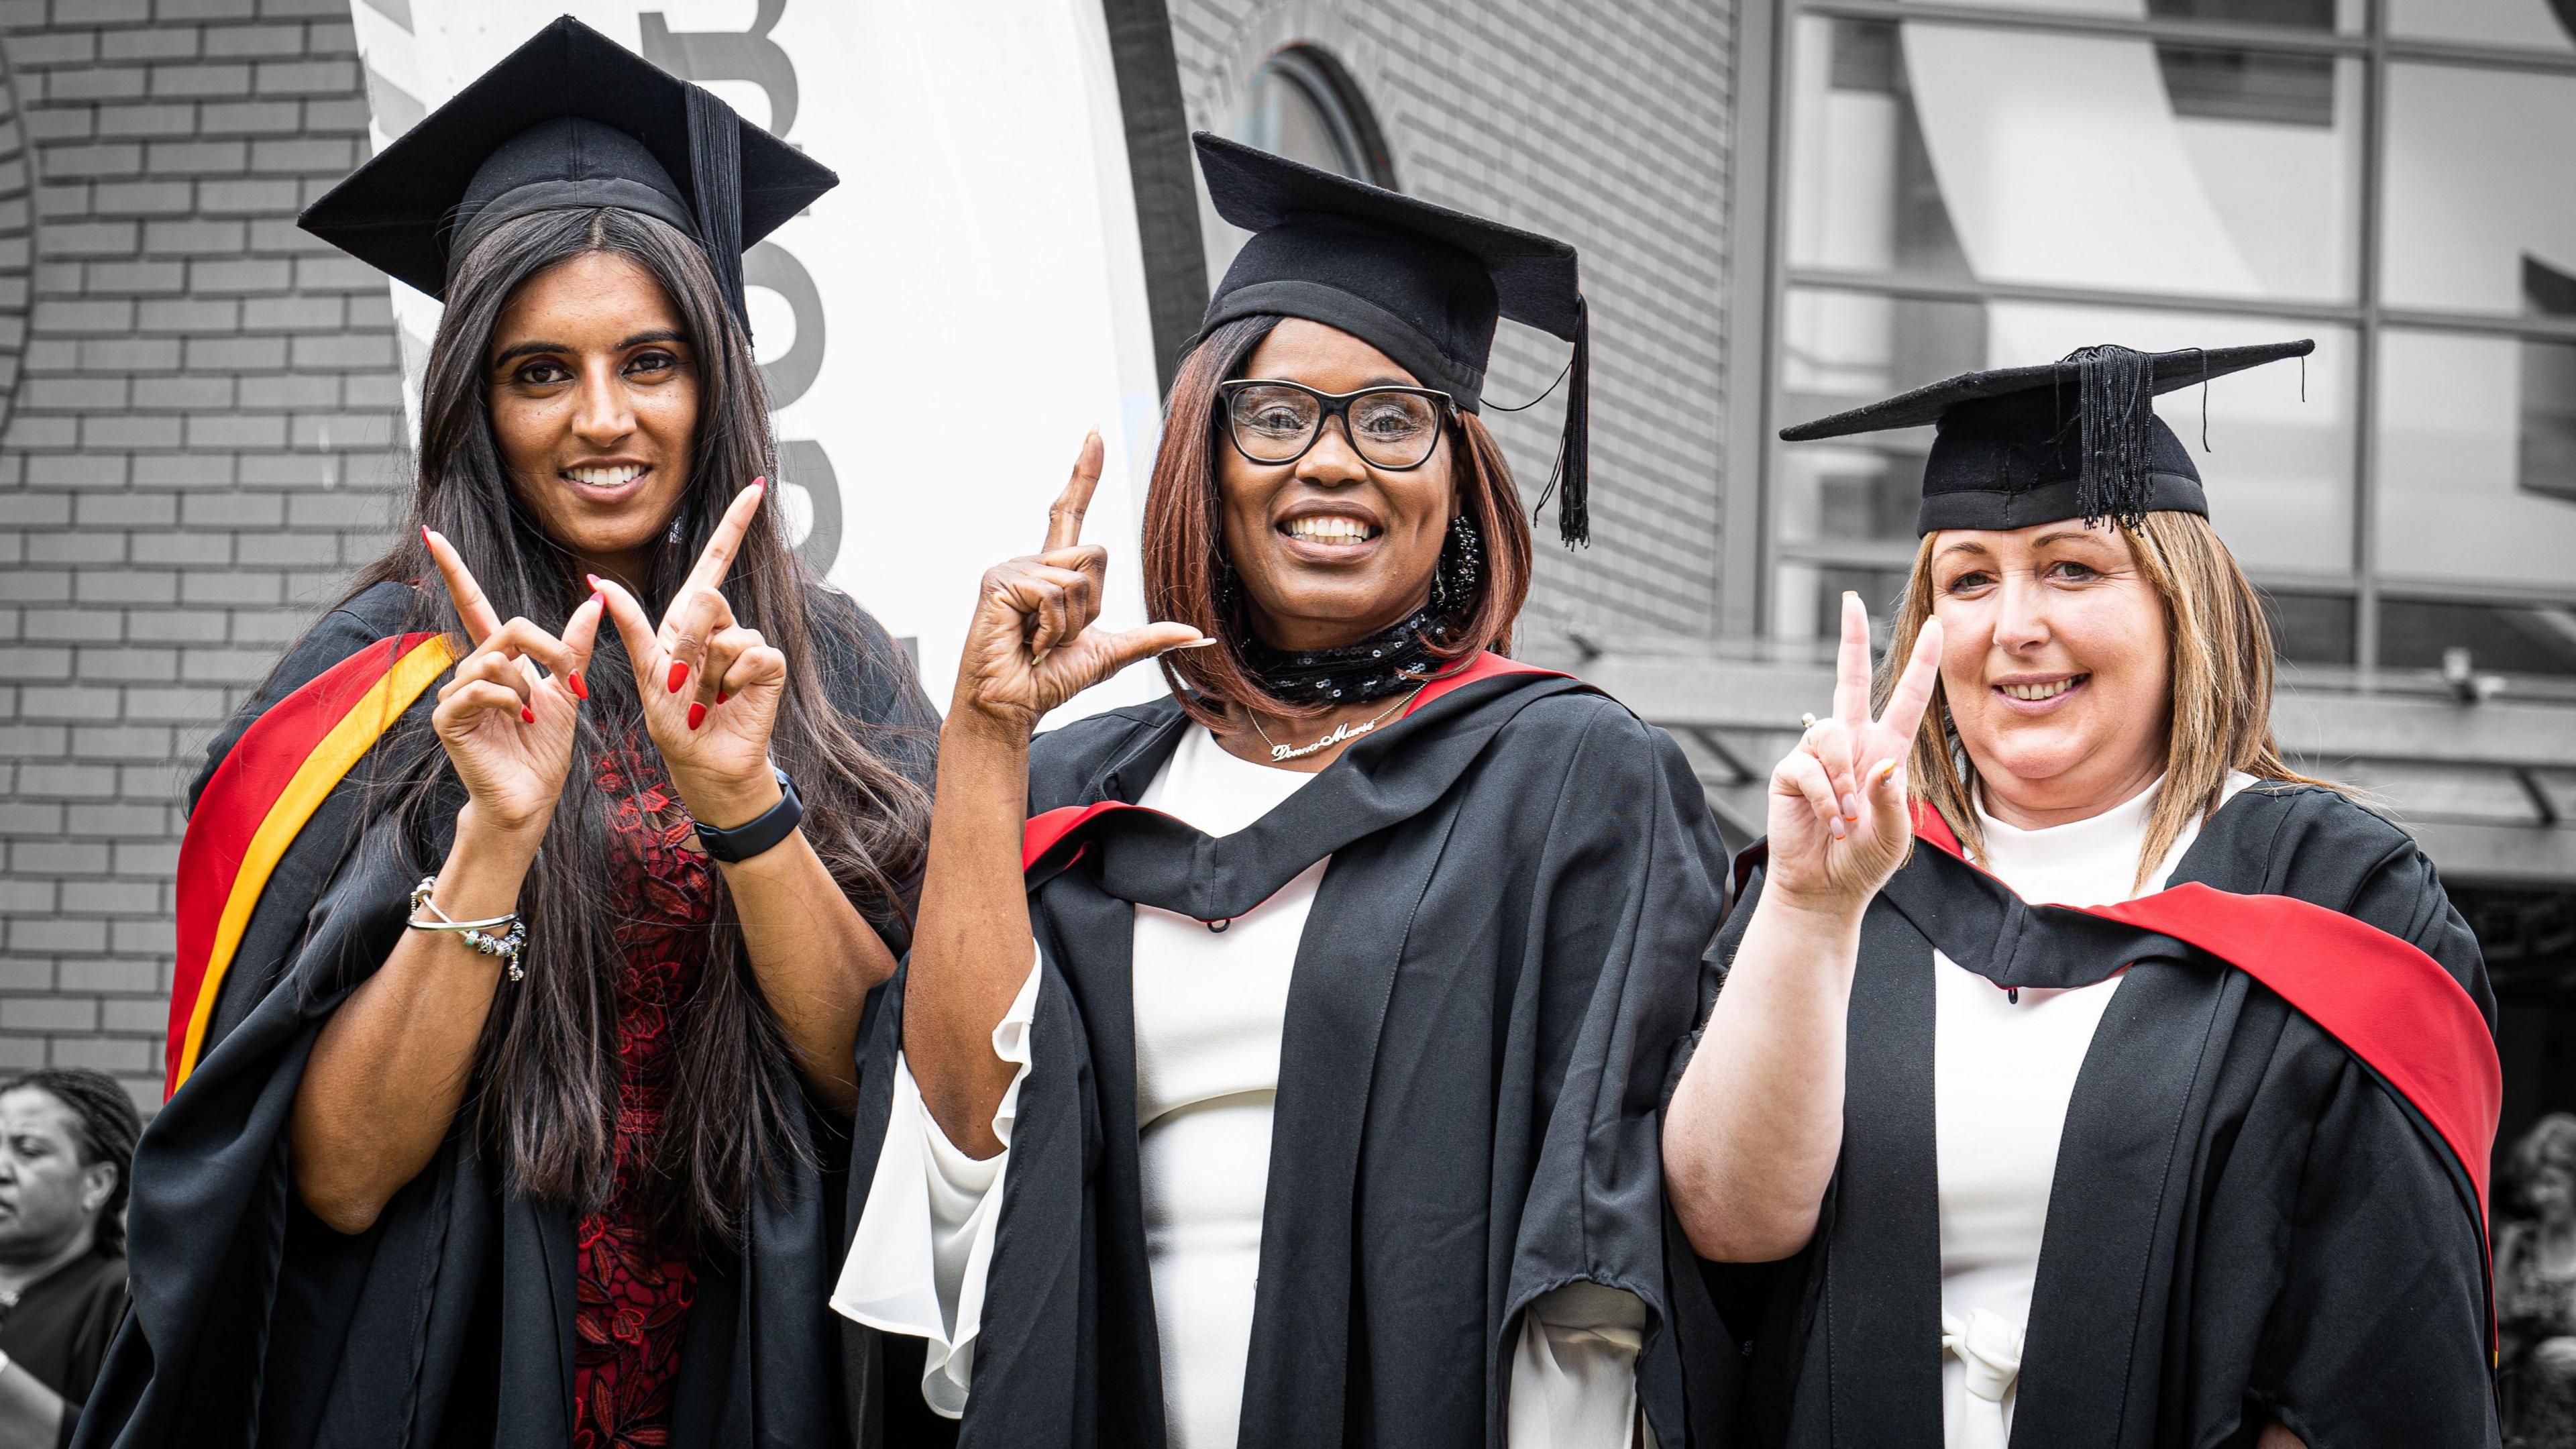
(739, 843)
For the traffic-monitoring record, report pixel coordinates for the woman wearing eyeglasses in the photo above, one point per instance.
(1276, 1064)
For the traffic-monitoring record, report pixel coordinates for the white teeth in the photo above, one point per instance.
(618, 476)
(1328, 528)
(2041, 691)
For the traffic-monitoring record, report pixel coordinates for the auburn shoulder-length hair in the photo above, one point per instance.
(2220, 664)
(1184, 544)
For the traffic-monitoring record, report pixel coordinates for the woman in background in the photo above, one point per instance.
(2536, 1290)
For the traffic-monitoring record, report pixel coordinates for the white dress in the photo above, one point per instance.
(1209, 1012)
(2002, 1074)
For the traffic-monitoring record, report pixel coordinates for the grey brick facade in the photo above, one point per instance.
(1606, 125)
(203, 407)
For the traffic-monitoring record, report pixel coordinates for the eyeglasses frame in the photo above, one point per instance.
(1335, 405)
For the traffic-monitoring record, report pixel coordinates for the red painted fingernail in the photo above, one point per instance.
(679, 676)
(527, 715)
(760, 483)
(424, 535)
(579, 689)
(721, 696)
(595, 590)
(697, 715)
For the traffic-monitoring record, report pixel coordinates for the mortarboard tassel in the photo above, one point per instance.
(1574, 509)
(715, 165)
(2116, 413)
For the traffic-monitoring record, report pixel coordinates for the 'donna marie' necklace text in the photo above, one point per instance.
(1342, 733)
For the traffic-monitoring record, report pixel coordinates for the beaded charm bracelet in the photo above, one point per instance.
(476, 934)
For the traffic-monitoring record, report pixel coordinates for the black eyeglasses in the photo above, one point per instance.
(1274, 422)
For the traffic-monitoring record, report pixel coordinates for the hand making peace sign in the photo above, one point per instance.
(710, 687)
(507, 725)
(1838, 817)
(1031, 646)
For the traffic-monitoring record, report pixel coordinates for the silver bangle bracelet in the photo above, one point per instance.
(477, 934)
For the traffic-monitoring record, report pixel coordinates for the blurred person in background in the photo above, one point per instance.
(2536, 1290)
(519, 1112)
(66, 1146)
(2075, 1071)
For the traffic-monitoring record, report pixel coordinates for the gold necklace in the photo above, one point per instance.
(1342, 733)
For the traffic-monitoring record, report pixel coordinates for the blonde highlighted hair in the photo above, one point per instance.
(2220, 666)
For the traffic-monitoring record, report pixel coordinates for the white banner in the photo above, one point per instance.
(939, 331)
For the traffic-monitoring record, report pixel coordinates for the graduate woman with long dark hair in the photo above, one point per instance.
(2147, 1101)
(1279, 1060)
(516, 1032)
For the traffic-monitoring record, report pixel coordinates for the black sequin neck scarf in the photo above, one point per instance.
(1381, 665)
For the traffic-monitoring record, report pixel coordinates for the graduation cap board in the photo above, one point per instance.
(571, 119)
(1421, 283)
(2077, 438)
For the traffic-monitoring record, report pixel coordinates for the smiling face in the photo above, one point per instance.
(2056, 666)
(48, 1198)
(1330, 549)
(594, 396)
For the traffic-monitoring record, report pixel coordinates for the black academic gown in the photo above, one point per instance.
(450, 1321)
(1495, 974)
(2246, 1220)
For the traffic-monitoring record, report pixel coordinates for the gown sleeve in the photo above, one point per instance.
(1574, 1374)
(924, 1245)
(2396, 1355)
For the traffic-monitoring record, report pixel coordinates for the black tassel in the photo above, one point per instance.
(715, 165)
(1574, 510)
(2116, 412)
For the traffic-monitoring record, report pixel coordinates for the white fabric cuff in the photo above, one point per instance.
(924, 1244)
(1574, 1372)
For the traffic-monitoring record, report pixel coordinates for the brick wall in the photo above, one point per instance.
(202, 407)
(1606, 125)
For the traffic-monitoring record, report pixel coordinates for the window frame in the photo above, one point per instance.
(1755, 553)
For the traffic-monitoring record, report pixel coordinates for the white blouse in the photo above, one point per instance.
(1210, 1008)
(2002, 1074)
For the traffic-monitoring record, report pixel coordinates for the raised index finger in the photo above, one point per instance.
(1064, 516)
(726, 541)
(471, 607)
(1851, 665)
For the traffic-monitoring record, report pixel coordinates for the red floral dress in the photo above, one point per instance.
(633, 1297)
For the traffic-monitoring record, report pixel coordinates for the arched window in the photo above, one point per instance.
(1301, 104)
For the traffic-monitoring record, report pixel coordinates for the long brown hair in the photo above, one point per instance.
(547, 1066)
(2220, 665)
(1184, 544)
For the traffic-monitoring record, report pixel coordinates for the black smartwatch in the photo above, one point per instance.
(759, 833)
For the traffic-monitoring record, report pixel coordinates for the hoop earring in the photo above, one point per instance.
(1453, 579)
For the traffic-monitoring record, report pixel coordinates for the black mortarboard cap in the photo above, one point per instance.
(570, 119)
(1421, 283)
(2076, 438)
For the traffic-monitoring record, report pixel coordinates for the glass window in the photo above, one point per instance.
(2524, 24)
(1301, 105)
(2035, 158)
(2279, 463)
(2478, 190)
(2532, 638)
(2476, 437)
